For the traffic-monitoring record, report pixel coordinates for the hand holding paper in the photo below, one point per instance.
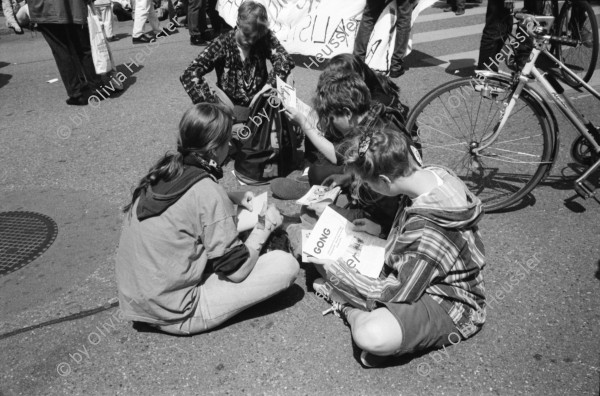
(332, 238)
(247, 219)
(242, 198)
(366, 225)
(318, 194)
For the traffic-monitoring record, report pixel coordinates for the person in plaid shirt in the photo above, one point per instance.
(430, 292)
(239, 58)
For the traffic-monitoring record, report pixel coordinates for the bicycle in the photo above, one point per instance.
(576, 20)
(498, 134)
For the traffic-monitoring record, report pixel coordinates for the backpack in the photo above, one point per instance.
(258, 157)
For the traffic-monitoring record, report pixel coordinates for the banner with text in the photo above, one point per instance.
(322, 29)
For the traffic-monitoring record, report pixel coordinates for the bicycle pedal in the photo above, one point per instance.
(584, 189)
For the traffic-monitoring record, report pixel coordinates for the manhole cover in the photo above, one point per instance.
(23, 237)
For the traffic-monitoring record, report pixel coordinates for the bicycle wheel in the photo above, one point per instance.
(577, 21)
(459, 116)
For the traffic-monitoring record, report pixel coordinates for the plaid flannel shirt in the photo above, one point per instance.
(430, 250)
(240, 80)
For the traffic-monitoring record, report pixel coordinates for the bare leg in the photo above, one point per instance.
(377, 332)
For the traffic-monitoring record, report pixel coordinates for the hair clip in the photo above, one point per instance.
(364, 144)
(416, 155)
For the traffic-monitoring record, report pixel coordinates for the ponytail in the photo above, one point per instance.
(202, 129)
(169, 167)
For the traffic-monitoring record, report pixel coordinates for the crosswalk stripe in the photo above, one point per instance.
(444, 34)
(438, 16)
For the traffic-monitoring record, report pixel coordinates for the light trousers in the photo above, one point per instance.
(221, 299)
(144, 11)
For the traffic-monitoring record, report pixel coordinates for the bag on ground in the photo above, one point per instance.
(266, 146)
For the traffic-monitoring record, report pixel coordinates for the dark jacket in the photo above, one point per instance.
(58, 11)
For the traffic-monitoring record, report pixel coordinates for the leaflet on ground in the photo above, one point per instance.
(333, 238)
(247, 219)
(319, 194)
(287, 95)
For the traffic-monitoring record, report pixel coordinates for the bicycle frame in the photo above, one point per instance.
(523, 80)
(564, 104)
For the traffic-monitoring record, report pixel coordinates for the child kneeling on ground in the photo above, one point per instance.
(181, 266)
(430, 292)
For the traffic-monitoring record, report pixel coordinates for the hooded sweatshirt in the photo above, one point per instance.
(434, 247)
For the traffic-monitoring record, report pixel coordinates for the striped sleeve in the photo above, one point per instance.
(413, 276)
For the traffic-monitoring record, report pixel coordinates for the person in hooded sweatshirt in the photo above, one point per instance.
(181, 266)
(430, 292)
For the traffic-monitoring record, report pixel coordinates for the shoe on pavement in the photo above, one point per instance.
(460, 11)
(143, 39)
(397, 72)
(288, 189)
(78, 101)
(324, 290)
(368, 360)
(197, 40)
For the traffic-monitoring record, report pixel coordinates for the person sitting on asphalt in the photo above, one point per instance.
(382, 88)
(180, 265)
(342, 103)
(239, 58)
(431, 291)
(16, 14)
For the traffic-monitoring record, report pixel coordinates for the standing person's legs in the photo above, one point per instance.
(215, 19)
(403, 26)
(144, 11)
(57, 37)
(372, 10)
(80, 42)
(196, 17)
(221, 299)
(498, 24)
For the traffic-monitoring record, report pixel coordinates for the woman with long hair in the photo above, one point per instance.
(239, 58)
(383, 90)
(181, 266)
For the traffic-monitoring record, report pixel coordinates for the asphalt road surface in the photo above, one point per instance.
(78, 164)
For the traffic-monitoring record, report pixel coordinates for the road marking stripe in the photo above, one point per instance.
(444, 34)
(439, 16)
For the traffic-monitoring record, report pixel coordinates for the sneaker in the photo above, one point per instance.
(288, 189)
(397, 72)
(143, 39)
(368, 360)
(78, 101)
(324, 290)
(460, 11)
(197, 40)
